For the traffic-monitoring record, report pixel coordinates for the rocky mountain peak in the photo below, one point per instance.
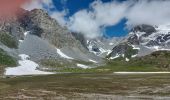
(39, 12)
(144, 28)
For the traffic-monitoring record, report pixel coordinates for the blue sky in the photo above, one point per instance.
(112, 18)
(74, 6)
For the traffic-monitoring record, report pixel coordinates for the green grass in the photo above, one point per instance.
(65, 66)
(129, 66)
(52, 63)
(120, 65)
(157, 61)
(8, 40)
(6, 60)
(130, 51)
(114, 66)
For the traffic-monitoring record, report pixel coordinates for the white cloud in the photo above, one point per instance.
(84, 22)
(32, 5)
(153, 12)
(92, 21)
(47, 5)
(39, 4)
(60, 17)
(109, 13)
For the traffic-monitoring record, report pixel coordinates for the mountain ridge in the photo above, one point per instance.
(35, 34)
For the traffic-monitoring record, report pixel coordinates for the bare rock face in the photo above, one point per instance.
(147, 39)
(124, 49)
(44, 37)
(39, 23)
(13, 26)
(148, 29)
(150, 36)
(140, 32)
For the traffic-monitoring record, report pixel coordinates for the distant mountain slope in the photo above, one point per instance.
(53, 47)
(147, 39)
(39, 36)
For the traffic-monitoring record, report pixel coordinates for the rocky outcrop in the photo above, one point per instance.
(124, 50)
(42, 38)
(148, 29)
(39, 23)
(150, 36)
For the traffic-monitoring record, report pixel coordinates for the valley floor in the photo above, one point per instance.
(86, 87)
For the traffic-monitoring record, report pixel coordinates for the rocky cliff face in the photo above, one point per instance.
(36, 34)
(123, 50)
(41, 37)
(39, 23)
(150, 36)
(146, 39)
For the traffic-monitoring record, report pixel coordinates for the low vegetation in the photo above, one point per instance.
(157, 61)
(6, 60)
(64, 65)
(8, 40)
(70, 86)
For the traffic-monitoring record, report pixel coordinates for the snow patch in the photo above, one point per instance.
(126, 59)
(27, 67)
(135, 47)
(117, 55)
(133, 56)
(62, 54)
(21, 41)
(92, 61)
(111, 43)
(165, 27)
(24, 57)
(123, 55)
(102, 50)
(83, 66)
(108, 52)
(157, 48)
(26, 33)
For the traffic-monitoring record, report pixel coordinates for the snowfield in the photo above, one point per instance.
(83, 66)
(62, 54)
(117, 55)
(27, 67)
(93, 61)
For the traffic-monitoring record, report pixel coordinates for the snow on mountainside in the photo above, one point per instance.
(141, 40)
(37, 35)
(27, 67)
(102, 46)
(145, 39)
(63, 55)
(156, 38)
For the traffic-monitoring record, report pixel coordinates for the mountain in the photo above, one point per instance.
(35, 37)
(144, 39)
(36, 34)
(159, 59)
(150, 36)
(102, 46)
